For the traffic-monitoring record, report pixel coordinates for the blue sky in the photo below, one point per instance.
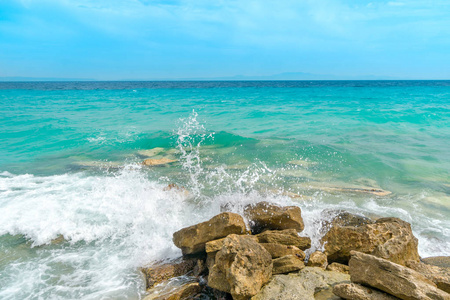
(156, 39)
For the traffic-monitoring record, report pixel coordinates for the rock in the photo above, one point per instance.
(439, 261)
(389, 238)
(279, 250)
(285, 237)
(151, 152)
(216, 245)
(303, 285)
(353, 291)
(177, 289)
(287, 264)
(264, 215)
(337, 267)
(392, 278)
(318, 259)
(163, 271)
(157, 162)
(440, 276)
(241, 267)
(344, 218)
(193, 239)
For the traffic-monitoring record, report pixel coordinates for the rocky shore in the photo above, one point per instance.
(260, 256)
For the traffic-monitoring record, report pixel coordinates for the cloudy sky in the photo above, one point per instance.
(157, 39)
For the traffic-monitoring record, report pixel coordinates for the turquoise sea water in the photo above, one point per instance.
(71, 154)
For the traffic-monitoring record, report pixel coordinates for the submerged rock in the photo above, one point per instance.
(160, 272)
(241, 267)
(285, 237)
(392, 278)
(303, 285)
(354, 291)
(150, 152)
(287, 264)
(157, 161)
(440, 276)
(192, 239)
(318, 259)
(265, 216)
(389, 238)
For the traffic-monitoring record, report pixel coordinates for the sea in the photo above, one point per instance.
(80, 213)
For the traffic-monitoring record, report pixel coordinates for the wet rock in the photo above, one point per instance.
(303, 285)
(337, 267)
(353, 291)
(439, 261)
(241, 267)
(163, 271)
(389, 238)
(265, 216)
(318, 259)
(279, 250)
(287, 264)
(285, 237)
(157, 161)
(193, 239)
(175, 291)
(151, 152)
(344, 218)
(440, 276)
(392, 278)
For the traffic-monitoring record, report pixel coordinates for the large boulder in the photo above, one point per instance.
(389, 238)
(287, 264)
(160, 272)
(279, 250)
(241, 267)
(392, 278)
(185, 291)
(304, 285)
(354, 291)
(265, 216)
(192, 239)
(285, 237)
(440, 276)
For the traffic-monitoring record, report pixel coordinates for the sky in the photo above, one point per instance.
(187, 39)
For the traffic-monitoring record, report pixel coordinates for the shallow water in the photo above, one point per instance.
(71, 153)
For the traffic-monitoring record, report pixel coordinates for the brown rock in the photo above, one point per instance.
(287, 264)
(318, 259)
(285, 237)
(439, 261)
(264, 215)
(278, 250)
(392, 278)
(192, 239)
(241, 267)
(353, 291)
(216, 245)
(186, 291)
(163, 271)
(337, 267)
(344, 218)
(389, 238)
(440, 276)
(157, 162)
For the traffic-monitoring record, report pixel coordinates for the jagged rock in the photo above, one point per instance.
(317, 259)
(392, 278)
(300, 286)
(440, 276)
(241, 267)
(353, 291)
(337, 267)
(263, 216)
(182, 292)
(344, 218)
(279, 250)
(287, 264)
(163, 271)
(157, 161)
(389, 238)
(285, 237)
(216, 245)
(439, 261)
(193, 239)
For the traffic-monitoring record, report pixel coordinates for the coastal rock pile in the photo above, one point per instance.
(363, 259)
